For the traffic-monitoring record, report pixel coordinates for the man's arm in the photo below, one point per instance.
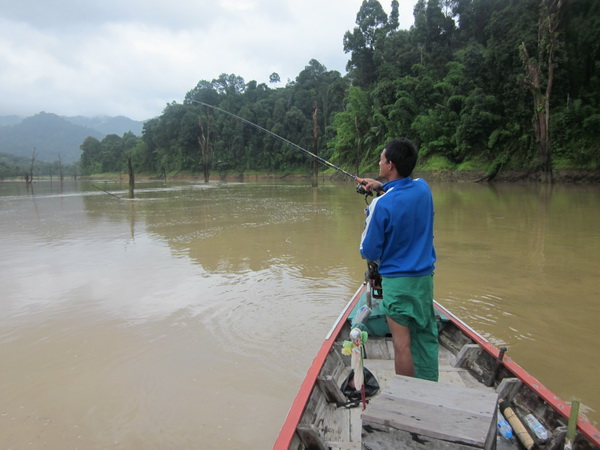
(372, 239)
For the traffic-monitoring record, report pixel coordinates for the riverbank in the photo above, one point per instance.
(455, 176)
(513, 176)
(572, 176)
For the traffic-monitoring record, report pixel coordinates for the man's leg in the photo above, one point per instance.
(424, 350)
(403, 361)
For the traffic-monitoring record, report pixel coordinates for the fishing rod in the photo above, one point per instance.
(360, 189)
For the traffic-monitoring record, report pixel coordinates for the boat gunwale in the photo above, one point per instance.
(586, 428)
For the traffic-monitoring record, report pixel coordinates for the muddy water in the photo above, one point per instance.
(187, 317)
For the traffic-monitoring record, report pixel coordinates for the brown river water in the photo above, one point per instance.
(188, 316)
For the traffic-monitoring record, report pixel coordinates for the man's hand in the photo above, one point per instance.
(372, 184)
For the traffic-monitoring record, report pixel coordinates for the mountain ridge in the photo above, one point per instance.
(51, 135)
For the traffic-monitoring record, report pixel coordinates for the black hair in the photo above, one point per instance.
(403, 154)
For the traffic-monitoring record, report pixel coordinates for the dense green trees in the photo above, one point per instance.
(458, 83)
(110, 154)
(12, 166)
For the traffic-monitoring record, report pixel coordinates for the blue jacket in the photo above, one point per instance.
(399, 230)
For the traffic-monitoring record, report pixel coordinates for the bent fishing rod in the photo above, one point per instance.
(360, 189)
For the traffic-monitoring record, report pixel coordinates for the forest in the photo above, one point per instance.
(477, 84)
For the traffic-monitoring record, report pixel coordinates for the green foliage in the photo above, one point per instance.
(12, 166)
(352, 126)
(110, 154)
(453, 83)
(371, 28)
(576, 134)
(172, 139)
(435, 163)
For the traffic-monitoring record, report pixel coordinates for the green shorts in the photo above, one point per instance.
(408, 301)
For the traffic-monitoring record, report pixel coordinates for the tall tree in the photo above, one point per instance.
(274, 78)
(91, 150)
(371, 22)
(205, 147)
(315, 168)
(434, 32)
(353, 125)
(539, 78)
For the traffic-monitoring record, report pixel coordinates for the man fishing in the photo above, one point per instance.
(398, 235)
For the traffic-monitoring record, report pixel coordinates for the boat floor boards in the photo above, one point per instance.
(379, 360)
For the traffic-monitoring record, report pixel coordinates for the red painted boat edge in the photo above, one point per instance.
(585, 427)
(288, 429)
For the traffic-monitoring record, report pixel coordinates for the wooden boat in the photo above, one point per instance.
(459, 411)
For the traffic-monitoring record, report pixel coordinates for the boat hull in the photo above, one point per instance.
(315, 421)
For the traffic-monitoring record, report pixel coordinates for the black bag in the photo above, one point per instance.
(370, 383)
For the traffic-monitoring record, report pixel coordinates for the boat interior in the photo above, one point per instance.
(460, 411)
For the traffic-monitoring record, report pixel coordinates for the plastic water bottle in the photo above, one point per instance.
(504, 427)
(361, 316)
(537, 427)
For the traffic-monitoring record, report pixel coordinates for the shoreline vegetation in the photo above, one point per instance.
(476, 85)
(562, 176)
(464, 84)
(462, 176)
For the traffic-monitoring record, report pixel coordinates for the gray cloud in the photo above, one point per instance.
(66, 15)
(132, 57)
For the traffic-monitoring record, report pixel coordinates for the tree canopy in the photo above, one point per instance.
(455, 83)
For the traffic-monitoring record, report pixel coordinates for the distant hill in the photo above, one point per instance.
(51, 135)
(118, 125)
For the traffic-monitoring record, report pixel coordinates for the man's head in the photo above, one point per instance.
(402, 154)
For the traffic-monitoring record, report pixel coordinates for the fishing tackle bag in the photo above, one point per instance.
(353, 394)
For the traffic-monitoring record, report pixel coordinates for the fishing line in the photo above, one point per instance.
(360, 181)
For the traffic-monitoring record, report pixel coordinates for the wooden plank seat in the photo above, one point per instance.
(416, 414)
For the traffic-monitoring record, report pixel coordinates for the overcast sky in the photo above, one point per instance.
(132, 57)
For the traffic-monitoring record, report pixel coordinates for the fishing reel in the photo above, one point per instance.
(373, 278)
(360, 189)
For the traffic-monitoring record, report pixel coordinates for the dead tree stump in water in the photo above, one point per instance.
(131, 177)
